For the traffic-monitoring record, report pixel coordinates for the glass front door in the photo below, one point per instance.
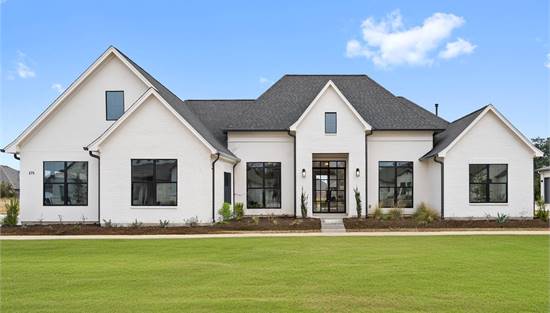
(329, 186)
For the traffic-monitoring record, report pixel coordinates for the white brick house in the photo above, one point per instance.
(117, 145)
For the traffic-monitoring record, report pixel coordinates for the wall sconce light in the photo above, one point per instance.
(303, 172)
(357, 172)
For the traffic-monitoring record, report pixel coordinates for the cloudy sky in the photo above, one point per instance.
(461, 54)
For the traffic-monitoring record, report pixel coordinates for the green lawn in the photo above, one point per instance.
(312, 274)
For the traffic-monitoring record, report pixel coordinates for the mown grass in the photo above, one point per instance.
(312, 274)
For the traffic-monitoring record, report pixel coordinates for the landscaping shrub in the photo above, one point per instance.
(225, 211)
(239, 211)
(107, 223)
(395, 214)
(358, 202)
(12, 212)
(164, 223)
(541, 212)
(377, 213)
(501, 218)
(136, 224)
(425, 214)
(303, 204)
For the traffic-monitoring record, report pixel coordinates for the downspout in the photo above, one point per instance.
(294, 138)
(442, 186)
(98, 183)
(15, 156)
(213, 187)
(366, 175)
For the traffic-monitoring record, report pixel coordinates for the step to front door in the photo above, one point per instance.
(332, 225)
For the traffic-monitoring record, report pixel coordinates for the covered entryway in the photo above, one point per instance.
(329, 186)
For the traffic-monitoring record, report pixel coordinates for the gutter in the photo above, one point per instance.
(442, 186)
(294, 138)
(214, 187)
(98, 183)
(366, 175)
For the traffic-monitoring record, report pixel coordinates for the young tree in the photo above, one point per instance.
(544, 145)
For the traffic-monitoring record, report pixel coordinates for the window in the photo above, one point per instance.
(547, 190)
(114, 102)
(65, 183)
(330, 123)
(488, 183)
(395, 184)
(154, 182)
(263, 185)
(227, 187)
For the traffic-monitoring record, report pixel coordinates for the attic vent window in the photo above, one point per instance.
(114, 103)
(330, 122)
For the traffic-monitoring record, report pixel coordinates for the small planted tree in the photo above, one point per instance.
(12, 212)
(303, 204)
(239, 211)
(358, 202)
(225, 211)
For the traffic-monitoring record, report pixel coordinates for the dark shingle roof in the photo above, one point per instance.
(219, 115)
(9, 175)
(282, 104)
(446, 137)
(182, 109)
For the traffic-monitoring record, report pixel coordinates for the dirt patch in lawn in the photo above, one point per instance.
(355, 224)
(276, 224)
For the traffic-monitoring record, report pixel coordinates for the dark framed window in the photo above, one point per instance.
(154, 182)
(65, 183)
(488, 183)
(263, 185)
(330, 122)
(227, 187)
(395, 184)
(114, 104)
(546, 190)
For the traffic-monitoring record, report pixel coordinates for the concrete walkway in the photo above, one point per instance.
(315, 234)
(332, 225)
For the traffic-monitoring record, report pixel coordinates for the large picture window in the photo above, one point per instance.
(488, 183)
(65, 183)
(154, 182)
(395, 184)
(263, 181)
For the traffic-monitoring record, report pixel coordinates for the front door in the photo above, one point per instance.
(329, 186)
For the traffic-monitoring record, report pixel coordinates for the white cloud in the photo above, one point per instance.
(22, 68)
(57, 87)
(388, 43)
(264, 80)
(456, 48)
(547, 64)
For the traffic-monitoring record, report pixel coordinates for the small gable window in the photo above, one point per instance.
(114, 102)
(330, 122)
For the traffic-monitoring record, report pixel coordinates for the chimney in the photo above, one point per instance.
(437, 109)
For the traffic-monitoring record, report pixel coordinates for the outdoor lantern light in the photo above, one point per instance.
(303, 172)
(357, 173)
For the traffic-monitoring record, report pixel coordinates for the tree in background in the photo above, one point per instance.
(6, 190)
(543, 144)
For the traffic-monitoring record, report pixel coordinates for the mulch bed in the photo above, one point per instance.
(354, 224)
(245, 224)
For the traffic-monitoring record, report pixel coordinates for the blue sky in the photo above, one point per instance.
(461, 54)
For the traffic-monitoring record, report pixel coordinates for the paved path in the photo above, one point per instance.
(264, 234)
(332, 225)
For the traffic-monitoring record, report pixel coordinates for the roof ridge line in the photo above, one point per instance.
(471, 113)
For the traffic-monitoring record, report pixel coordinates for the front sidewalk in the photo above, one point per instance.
(278, 234)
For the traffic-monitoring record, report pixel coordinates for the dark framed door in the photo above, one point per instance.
(329, 186)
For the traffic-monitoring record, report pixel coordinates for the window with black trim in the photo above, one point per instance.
(488, 183)
(395, 184)
(330, 122)
(114, 104)
(154, 182)
(227, 187)
(65, 183)
(263, 185)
